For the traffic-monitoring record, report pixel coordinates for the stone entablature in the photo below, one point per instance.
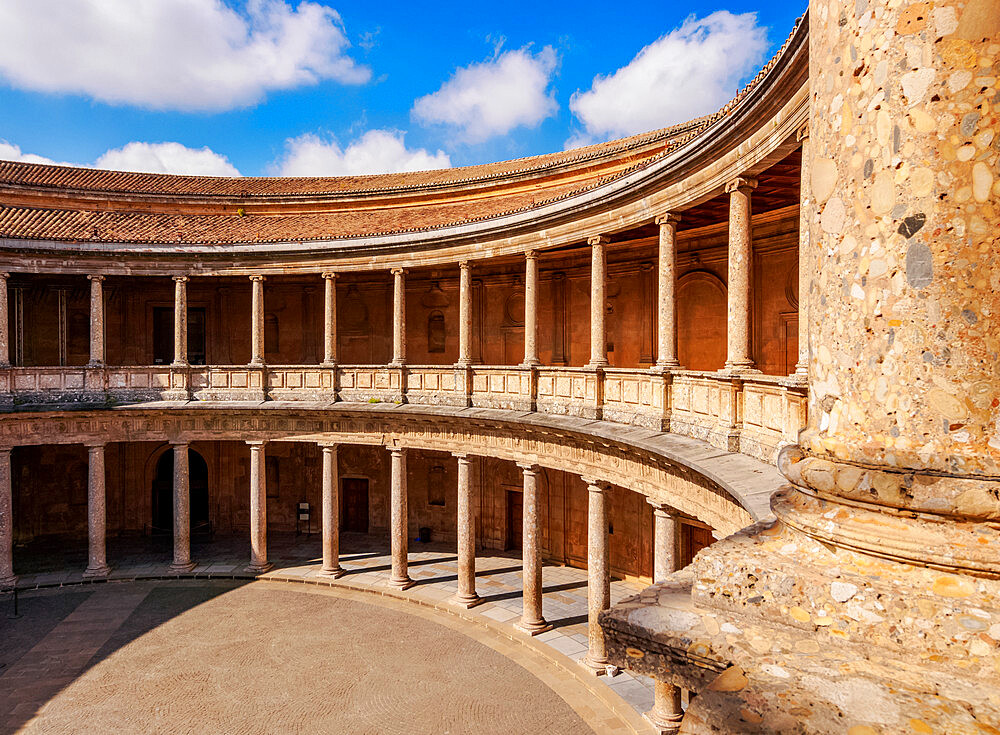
(746, 412)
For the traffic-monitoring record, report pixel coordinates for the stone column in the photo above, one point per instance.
(805, 257)
(4, 326)
(399, 520)
(182, 510)
(7, 576)
(740, 264)
(97, 564)
(532, 620)
(180, 321)
(331, 514)
(666, 714)
(258, 509)
(666, 302)
(96, 321)
(398, 316)
(257, 320)
(598, 575)
(531, 308)
(464, 314)
(598, 275)
(330, 319)
(466, 595)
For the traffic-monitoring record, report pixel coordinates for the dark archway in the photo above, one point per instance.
(163, 493)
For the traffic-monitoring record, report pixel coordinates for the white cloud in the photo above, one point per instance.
(172, 54)
(691, 71)
(493, 97)
(375, 152)
(162, 158)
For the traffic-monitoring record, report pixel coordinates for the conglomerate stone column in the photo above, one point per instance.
(399, 520)
(258, 508)
(97, 563)
(666, 714)
(96, 320)
(4, 325)
(532, 622)
(805, 256)
(666, 301)
(464, 314)
(7, 576)
(598, 276)
(740, 263)
(398, 316)
(598, 575)
(331, 514)
(257, 320)
(180, 321)
(329, 319)
(182, 509)
(530, 308)
(466, 517)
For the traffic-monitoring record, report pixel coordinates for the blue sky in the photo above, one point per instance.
(282, 87)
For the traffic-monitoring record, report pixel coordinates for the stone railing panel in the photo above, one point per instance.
(569, 392)
(370, 383)
(301, 383)
(502, 387)
(436, 385)
(638, 397)
(232, 383)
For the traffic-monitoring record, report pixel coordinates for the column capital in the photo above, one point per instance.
(328, 446)
(329, 275)
(95, 277)
(531, 254)
(802, 133)
(396, 450)
(528, 468)
(4, 275)
(94, 445)
(180, 279)
(464, 265)
(666, 219)
(4, 449)
(176, 443)
(258, 443)
(397, 271)
(462, 456)
(257, 277)
(594, 485)
(741, 183)
(598, 240)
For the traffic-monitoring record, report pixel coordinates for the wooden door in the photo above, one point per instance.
(515, 519)
(354, 493)
(693, 540)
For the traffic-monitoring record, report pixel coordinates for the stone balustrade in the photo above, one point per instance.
(749, 413)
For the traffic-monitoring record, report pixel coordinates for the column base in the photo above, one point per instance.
(663, 724)
(98, 572)
(533, 627)
(261, 568)
(597, 365)
(598, 668)
(466, 601)
(661, 366)
(402, 584)
(183, 568)
(739, 367)
(332, 573)
(7, 583)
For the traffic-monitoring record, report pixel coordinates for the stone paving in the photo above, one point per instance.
(367, 562)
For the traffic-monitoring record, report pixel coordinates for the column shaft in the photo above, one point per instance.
(531, 308)
(7, 578)
(96, 320)
(4, 326)
(740, 262)
(667, 712)
(180, 321)
(466, 595)
(330, 319)
(399, 520)
(258, 509)
(464, 314)
(97, 565)
(598, 335)
(664, 543)
(598, 575)
(398, 316)
(666, 302)
(331, 513)
(182, 510)
(532, 620)
(805, 259)
(257, 320)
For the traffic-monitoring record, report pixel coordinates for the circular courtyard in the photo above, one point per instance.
(263, 657)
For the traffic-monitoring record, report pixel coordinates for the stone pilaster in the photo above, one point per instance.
(466, 518)
(398, 316)
(180, 321)
(598, 576)
(598, 277)
(740, 265)
(7, 577)
(464, 314)
(258, 508)
(97, 563)
(530, 309)
(182, 510)
(331, 514)
(805, 257)
(329, 319)
(96, 320)
(532, 621)
(399, 520)
(257, 320)
(4, 326)
(666, 300)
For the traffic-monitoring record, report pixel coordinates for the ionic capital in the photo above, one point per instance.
(257, 277)
(397, 271)
(802, 133)
(741, 183)
(329, 275)
(4, 275)
(180, 279)
(667, 219)
(95, 277)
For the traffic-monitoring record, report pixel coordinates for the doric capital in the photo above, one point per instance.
(95, 277)
(802, 133)
(598, 240)
(667, 219)
(180, 443)
(329, 275)
(327, 446)
(397, 451)
(594, 485)
(528, 468)
(462, 457)
(257, 277)
(180, 279)
(397, 271)
(741, 183)
(95, 446)
(256, 443)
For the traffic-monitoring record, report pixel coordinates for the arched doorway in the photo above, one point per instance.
(163, 493)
